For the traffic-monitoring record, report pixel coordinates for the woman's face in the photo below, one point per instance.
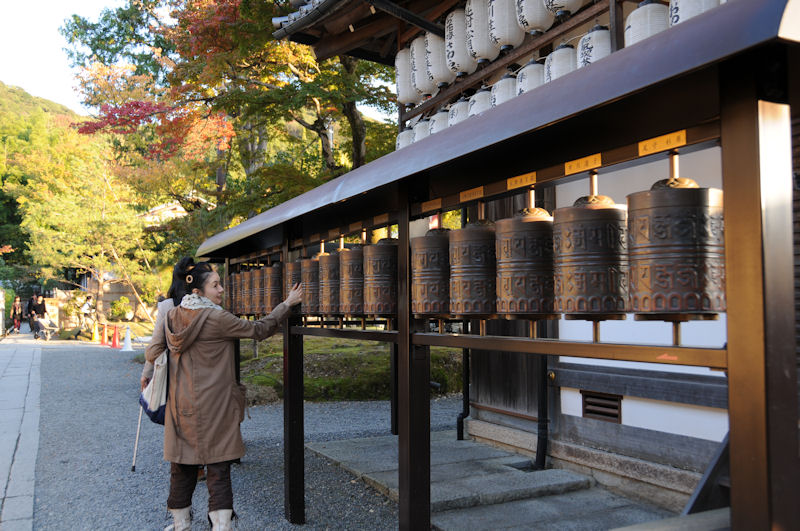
(212, 289)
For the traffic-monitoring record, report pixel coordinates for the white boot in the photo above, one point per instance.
(181, 519)
(221, 519)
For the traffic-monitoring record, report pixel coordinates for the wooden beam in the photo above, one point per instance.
(437, 11)
(348, 14)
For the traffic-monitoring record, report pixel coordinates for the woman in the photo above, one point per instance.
(205, 405)
(16, 313)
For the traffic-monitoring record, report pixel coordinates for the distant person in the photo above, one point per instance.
(29, 310)
(16, 313)
(202, 427)
(86, 311)
(39, 315)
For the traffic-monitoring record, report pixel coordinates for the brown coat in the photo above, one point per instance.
(204, 403)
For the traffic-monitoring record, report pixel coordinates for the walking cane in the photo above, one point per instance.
(136, 445)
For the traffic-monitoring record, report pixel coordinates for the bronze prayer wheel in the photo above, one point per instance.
(380, 278)
(524, 248)
(430, 273)
(351, 281)
(234, 293)
(247, 292)
(309, 275)
(676, 249)
(228, 302)
(257, 306)
(329, 283)
(291, 276)
(591, 259)
(272, 286)
(472, 270)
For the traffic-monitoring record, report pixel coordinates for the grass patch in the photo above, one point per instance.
(338, 369)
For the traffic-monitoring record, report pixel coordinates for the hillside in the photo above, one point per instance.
(16, 102)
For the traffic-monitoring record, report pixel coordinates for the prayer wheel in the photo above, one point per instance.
(524, 247)
(472, 270)
(272, 286)
(233, 305)
(676, 250)
(227, 286)
(329, 284)
(590, 259)
(351, 281)
(291, 276)
(380, 278)
(430, 273)
(257, 297)
(309, 275)
(247, 292)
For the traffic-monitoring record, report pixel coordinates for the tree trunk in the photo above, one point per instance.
(99, 310)
(357, 126)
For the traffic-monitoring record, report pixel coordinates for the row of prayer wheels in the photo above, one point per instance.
(662, 257)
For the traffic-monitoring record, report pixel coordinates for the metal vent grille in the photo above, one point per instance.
(602, 406)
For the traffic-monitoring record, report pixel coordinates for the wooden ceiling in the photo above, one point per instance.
(361, 29)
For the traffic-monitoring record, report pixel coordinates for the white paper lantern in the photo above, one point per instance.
(422, 129)
(480, 101)
(404, 138)
(459, 112)
(480, 46)
(406, 93)
(504, 89)
(533, 16)
(680, 10)
(437, 61)
(560, 61)
(503, 28)
(563, 7)
(645, 21)
(459, 60)
(420, 74)
(439, 121)
(594, 45)
(530, 76)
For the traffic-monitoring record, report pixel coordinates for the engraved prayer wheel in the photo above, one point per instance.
(247, 291)
(590, 259)
(309, 275)
(291, 276)
(272, 286)
(676, 250)
(524, 248)
(227, 286)
(380, 278)
(233, 290)
(257, 297)
(329, 283)
(430, 273)
(351, 281)
(472, 270)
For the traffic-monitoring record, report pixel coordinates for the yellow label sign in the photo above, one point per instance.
(355, 227)
(297, 243)
(519, 181)
(586, 163)
(314, 238)
(433, 204)
(471, 195)
(662, 143)
(333, 234)
(383, 219)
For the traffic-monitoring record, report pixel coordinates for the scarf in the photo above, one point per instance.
(193, 301)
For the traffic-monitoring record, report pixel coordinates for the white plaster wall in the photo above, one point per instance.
(705, 168)
(681, 419)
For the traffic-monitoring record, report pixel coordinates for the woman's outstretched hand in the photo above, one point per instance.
(295, 295)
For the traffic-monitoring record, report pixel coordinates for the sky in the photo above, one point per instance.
(32, 56)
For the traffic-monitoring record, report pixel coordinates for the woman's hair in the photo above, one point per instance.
(186, 276)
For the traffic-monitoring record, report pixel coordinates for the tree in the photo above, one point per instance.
(76, 216)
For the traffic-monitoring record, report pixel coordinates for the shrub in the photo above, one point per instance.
(120, 307)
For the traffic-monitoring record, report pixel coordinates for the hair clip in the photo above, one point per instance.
(189, 279)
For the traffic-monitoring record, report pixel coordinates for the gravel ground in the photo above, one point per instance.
(88, 427)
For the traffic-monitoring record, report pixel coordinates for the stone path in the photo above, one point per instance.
(19, 430)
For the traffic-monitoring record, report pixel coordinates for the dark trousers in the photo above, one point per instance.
(183, 479)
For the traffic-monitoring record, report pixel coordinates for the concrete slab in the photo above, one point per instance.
(588, 509)
(17, 508)
(717, 519)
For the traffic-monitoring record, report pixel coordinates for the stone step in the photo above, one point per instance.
(585, 510)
